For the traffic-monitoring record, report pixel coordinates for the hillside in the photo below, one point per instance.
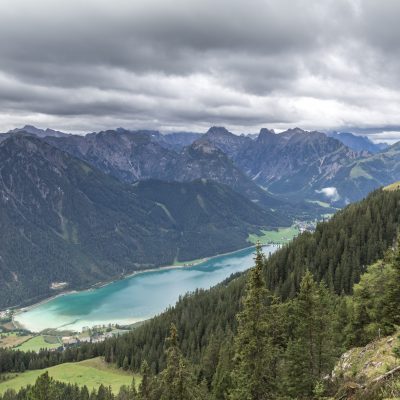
(64, 221)
(91, 373)
(369, 372)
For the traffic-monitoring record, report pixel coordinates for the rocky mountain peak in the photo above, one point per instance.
(265, 135)
(219, 130)
(32, 130)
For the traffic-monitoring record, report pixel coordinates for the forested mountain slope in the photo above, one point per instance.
(64, 221)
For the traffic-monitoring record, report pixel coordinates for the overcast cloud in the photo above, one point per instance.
(85, 65)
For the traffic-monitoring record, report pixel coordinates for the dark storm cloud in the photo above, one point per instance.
(85, 65)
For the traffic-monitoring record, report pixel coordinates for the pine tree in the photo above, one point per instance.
(393, 292)
(145, 389)
(43, 389)
(222, 380)
(310, 351)
(177, 380)
(125, 363)
(84, 393)
(252, 376)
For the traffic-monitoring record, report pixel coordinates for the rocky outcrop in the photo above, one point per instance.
(368, 372)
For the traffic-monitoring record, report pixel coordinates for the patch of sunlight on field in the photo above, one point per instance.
(91, 373)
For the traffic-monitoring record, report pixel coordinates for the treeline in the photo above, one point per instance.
(20, 361)
(46, 388)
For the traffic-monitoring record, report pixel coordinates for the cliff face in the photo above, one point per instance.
(369, 373)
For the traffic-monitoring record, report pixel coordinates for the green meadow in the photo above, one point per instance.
(91, 373)
(279, 236)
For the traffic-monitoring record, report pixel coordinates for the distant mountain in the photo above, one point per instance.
(226, 141)
(138, 155)
(178, 140)
(294, 164)
(310, 166)
(358, 143)
(272, 169)
(172, 140)
(64, 221)
(361, 176)
(41, 133)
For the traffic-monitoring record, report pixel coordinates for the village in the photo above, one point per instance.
(96, 334)
(17, 338)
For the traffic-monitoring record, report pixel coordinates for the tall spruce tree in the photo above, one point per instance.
(177, 381)
(145, 387)
(252, 376)
(222, 379)
(310, 351)
(393, 294)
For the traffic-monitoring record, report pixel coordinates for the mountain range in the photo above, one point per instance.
(358, 143)
(292, 169)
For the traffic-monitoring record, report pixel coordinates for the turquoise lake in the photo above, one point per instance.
(135, 298)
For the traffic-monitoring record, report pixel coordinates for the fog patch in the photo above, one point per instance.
(330, 192)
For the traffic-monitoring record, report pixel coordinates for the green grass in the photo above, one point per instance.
(91, 373)
(358, 172)
(393, 186)
(40, 342)
(11, 339)
(280, 236)
(363, 364)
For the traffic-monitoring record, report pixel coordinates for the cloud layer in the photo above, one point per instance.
(177, 64)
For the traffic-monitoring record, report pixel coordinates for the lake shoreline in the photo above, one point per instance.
(99, 285)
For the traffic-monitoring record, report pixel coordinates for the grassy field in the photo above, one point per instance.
(11, 339)
(40, 342)
(281, 236)
(91, 373)
(358, 172)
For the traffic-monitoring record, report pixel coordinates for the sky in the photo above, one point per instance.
(88, 65)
